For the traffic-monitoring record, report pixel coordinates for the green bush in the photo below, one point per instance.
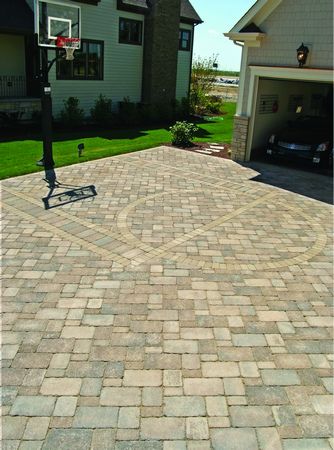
(101, 113)
(72, 115)
(214, 105)
(128, 113)
(183, 133)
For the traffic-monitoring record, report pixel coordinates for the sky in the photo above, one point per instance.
(219, 17)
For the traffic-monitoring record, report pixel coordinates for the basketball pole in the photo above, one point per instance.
(46, 106)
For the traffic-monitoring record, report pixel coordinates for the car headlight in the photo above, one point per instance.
(322, 147)
(272, 139)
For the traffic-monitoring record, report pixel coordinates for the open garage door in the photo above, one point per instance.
(280, 102)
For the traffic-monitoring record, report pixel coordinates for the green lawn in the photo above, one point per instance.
(19, 157)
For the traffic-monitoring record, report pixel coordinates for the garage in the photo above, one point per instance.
(286, 71)
(280, 102)
(280, 95)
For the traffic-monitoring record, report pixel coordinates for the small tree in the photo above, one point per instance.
(202, 80)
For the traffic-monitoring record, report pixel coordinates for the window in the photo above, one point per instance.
(184, 40)
(87, 63)
(130, 31)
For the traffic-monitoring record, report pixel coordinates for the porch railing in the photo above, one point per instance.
(12, 86)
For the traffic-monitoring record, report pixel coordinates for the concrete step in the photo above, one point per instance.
(205, 152)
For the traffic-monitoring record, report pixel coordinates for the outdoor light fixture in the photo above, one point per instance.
(302, 53)
(80, 149)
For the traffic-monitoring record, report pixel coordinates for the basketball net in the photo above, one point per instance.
(69, 45)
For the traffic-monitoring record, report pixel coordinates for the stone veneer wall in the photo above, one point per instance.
(239, 140)
(161, 45)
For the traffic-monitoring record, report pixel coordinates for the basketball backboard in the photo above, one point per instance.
(55, 20)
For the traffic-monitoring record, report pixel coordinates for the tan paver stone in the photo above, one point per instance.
(323, 404)
(216, 406)
(61, 386)
(169, 315)
(37, 428)
(128, 417)
(191, 362)
(184, 406)
(292, 361)
(196, 333)
(103, 320)
(273, 316)
(142, 378)
(152, 396)
(165, 428)
(234, 386)
(31, 360)
(268, 439)
(13, 427)
(320, 321)
(220, 369)
(65, 407)
(203, 386)
(197, 428)
(249, 369)
(180, 346)
(120, 396)
(80, 332)
(172, 378)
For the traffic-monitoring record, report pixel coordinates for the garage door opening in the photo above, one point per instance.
(280, 102)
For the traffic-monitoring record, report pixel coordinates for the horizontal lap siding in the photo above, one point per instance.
(123, 64)
(290, 24)
(183, 69)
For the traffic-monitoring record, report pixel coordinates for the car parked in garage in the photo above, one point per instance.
(307, 138)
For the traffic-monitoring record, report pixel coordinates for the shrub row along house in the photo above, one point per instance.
(140, 50)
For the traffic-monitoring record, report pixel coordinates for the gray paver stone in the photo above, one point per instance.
(33, 406)
(234, 439)
(68, 439)
(251, 416)
(95, 417)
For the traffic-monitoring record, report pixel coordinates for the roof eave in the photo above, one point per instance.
(257, 14)
(249, 39)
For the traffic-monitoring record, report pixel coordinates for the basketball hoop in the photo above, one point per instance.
(69, 45)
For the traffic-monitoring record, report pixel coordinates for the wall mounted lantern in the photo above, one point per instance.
(302, 53)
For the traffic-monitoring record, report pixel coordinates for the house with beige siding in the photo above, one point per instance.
(135, 49)
(274, 87)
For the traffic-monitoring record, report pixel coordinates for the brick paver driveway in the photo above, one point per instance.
(184, 307)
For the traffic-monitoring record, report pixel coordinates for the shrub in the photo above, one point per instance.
(214, 105)
(128, 112)
(72, 115)
(183, 133)
(101, 113)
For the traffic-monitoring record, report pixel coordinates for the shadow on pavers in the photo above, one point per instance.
(303, 181)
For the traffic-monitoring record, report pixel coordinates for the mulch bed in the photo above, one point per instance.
(206, 145)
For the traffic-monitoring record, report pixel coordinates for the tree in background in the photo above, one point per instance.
(202, 80)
